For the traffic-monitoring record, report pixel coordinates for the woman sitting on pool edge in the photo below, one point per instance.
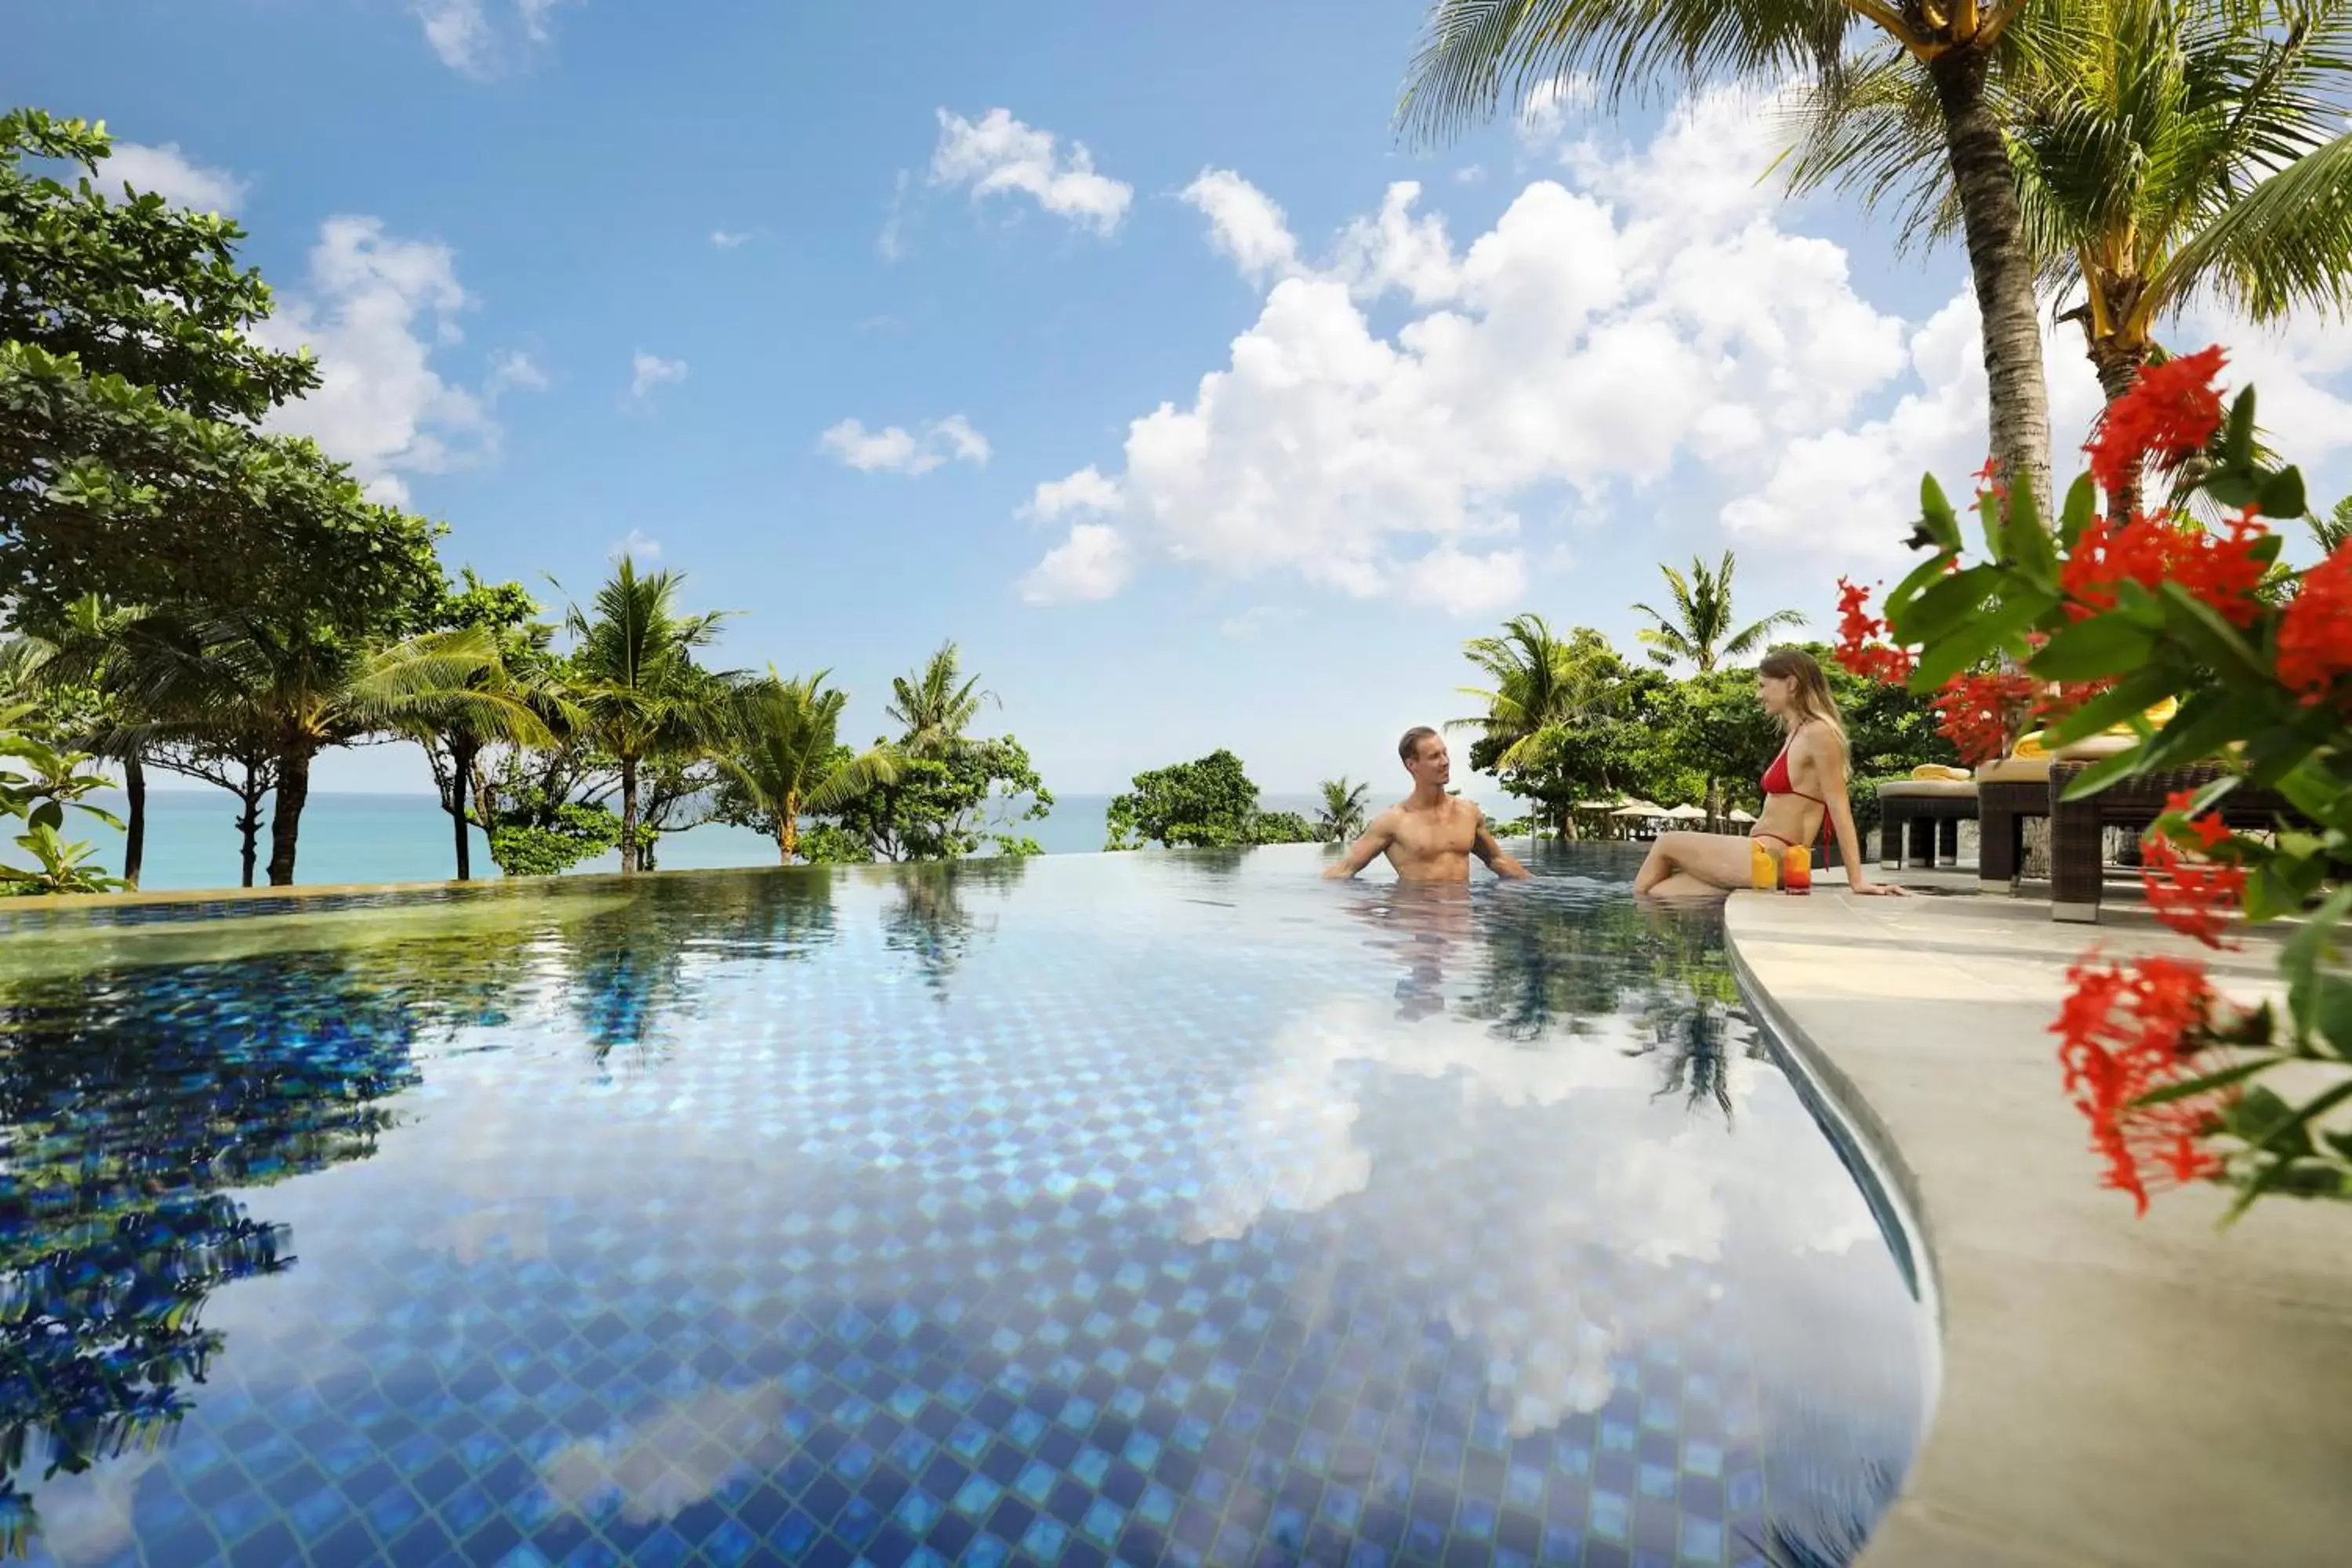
(1805, 782)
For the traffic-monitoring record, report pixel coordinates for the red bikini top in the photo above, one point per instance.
(1776, 780)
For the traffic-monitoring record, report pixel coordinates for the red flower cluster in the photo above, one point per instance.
(2191, 893)
(2124, 1034)
(1973, 712)
(2315, 632)
(1856, 648)
(2168, 414)
(2222, 571)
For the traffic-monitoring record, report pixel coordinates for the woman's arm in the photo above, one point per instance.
(1829, 762)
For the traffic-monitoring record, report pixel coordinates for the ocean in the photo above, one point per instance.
(192, 840)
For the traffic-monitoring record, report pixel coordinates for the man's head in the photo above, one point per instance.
(1422, 752)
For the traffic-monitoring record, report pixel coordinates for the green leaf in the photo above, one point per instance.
(2281, 495)
(2029, 547)
(1923, 577)
(2232, 487)
(2205, 723)
(2237, 1072)
(2238, 443)
(1950, 603)
(2212, 638)
(48, 814)
(2104, 645)
(1971, 642)
(2259, 1115)
(2102, 773)
(2272, 891)
(2303, 953)
(2134, 695)
(2082, 506)
(2331, 1014)
(1935, 514)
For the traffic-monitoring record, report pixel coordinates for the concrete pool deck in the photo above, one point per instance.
(2115, 1390)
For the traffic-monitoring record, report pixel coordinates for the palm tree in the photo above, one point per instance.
(787, 759)
(2334, 531)
(931, 706)
(455, 738)
(1699, 629)
(299, 690)
(636, 684)
(1342, 813)
(90, 650)
(1542, 686)
(1474, 51)
(2164, 150)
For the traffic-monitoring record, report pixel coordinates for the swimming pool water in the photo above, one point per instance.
(1152, 1208)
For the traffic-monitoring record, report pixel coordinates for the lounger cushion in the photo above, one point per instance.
(1929, 789)
(2015, 770)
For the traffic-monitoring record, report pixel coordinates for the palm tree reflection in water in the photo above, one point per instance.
(1569, 956)
(931, 921)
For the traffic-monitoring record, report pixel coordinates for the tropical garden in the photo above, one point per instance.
(185, 593)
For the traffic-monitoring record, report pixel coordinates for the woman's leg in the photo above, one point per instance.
(1716, 862)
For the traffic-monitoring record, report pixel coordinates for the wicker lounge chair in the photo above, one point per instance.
(2078, 828)
(2007, 792)
(1930, 811)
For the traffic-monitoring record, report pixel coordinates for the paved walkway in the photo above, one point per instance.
(2116, 1391)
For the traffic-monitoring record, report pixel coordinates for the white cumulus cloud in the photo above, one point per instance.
(997, 154)
(637, 546)
(1091, 563)
(728, 239)
(374, 308)
(1084, 491)
(1587, 343)
(649, 371)
(480, 38)
(512, 368)
(895, 449)
(172, 175)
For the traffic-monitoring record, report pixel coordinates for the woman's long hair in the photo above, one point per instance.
(1812, 702)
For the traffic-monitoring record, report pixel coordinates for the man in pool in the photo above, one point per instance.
(1429, 835)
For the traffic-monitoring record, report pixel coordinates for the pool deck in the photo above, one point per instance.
(2115, 1390)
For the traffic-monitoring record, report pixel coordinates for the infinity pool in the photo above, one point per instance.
(1148, 1209)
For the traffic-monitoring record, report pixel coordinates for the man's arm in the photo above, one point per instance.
(1374, 839)
(1489, 849)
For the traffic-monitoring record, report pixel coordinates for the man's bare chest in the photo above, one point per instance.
(1449, 833)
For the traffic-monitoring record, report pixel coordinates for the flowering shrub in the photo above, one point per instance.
(2088, 627)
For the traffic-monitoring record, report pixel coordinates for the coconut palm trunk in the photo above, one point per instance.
(286, 821)
(134, 825)
(628, 817)
(788, 827)
(462, 751)
(248, 821)
(2002, 266)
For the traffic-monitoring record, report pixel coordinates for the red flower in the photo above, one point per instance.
(2315, 631)
(2193, 894)
(1855, 649)
(2151, 548)
(1973, 712)
(2168, 414)
(2126, 1033)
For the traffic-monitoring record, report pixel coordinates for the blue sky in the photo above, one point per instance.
(583, 272)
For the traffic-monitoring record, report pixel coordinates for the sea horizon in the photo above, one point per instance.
(371, 836)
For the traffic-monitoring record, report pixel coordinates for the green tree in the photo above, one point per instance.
(1474, 51)
(2164, 152)
(2334, 531)
(38, 783)
(947, 806)
(935, 704)
(516, 667)
(1208, 803)
(1341, 817)
(1697, 629)
(1549, 700)
(304, 689)
(634, 680)
(86, 660)
(785, 760)
(130, 462)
